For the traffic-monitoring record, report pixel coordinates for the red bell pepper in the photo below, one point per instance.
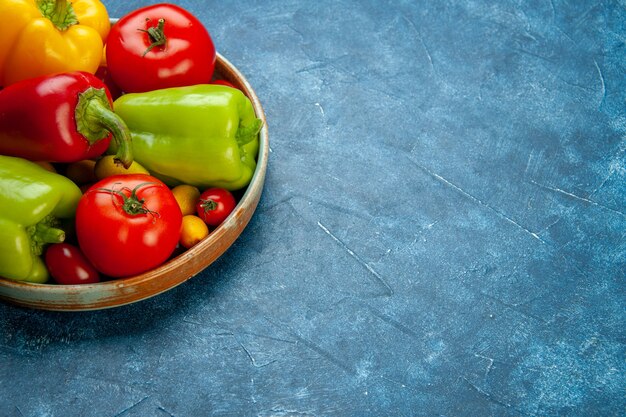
(65, 117)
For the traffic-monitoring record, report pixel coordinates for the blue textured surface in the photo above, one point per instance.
(442, 230)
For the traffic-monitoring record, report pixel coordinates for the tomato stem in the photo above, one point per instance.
(132, 205)
(156, 35)
(208, 205)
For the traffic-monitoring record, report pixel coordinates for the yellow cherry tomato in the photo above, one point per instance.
(106, 167)
(187, 197)
(193, 230)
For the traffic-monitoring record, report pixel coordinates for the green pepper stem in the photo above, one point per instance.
(60, 9)
(43, 233)
(245, 134)
(47, 234)
(114, 124)
(59, 12)
(95, 120)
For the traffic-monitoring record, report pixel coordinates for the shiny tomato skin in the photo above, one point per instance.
(68, 266)
(214, 206)
(187, 57)
(119, 243)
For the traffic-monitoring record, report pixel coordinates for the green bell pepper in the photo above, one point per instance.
(202, 135)
(32, 200)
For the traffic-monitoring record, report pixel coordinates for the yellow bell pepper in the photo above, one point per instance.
(41, 37)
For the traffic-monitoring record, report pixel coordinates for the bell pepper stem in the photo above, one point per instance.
(114, 124)
(59, 12)
(43, 233)
(245, 134)
(95, 120)
(48, 234)
(60, 9)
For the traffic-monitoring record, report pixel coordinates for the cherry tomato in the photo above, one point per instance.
(67, 265)
(128, 224)
(192, 231)
(187, 196)
(214, 205)
(159, 46)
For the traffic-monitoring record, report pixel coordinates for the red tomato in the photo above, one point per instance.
(67, 265)
(159, 46)
(214, 205)
(128, 224)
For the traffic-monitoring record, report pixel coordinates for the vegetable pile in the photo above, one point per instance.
(119, 145)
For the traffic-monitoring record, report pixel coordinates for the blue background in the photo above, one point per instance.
(442, 230)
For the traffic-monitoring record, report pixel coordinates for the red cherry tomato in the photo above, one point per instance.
(128, 224)
(67, 265)
(214, 205)
(159, 46)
